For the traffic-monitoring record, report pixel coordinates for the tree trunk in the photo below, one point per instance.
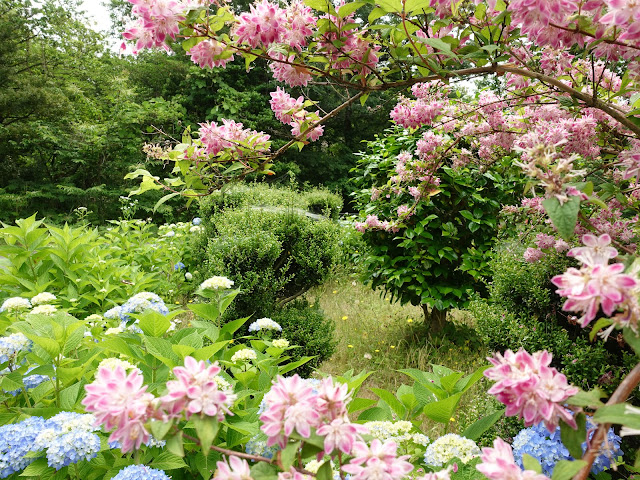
(434, 319)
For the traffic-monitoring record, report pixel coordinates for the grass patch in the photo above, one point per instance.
(375, 334)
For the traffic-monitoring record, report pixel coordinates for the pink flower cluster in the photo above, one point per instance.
(428, 105)
(120, 401)
(155, 21)
(379, 460)
(530, 388)
(598, 284)
(231, 136)
(291, 112)
(266, 23)
(498, 464)
(292, 405)
(235, 469)
(210, 53)
(624, 14)
(196, 391)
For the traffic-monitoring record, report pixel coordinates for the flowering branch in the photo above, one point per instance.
(621, 393)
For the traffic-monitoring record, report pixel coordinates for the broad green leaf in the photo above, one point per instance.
(564, 216)
(587, 399)
(477, 428)
(566, 469)
(207, 429)
(531, 463)
(390, 400)
(620, 414)
(325, 472)
(348, 8)
(159, 429)
(288, 454)
(168, 461)
(374, 414)
(153, 323)
(573, 439)
(442, 411)
(632, 339)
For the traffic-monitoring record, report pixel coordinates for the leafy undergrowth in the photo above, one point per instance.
(376, 334)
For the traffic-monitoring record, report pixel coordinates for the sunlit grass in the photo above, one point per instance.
(374, 333)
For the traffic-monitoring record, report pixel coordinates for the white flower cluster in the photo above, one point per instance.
(448, 447)
(222, 383)
(281, 343)
(43, 310)
(396, 431)
(94, 319)
(264, 324)
(217, 283)
(244, 355)
(14, 304)
(43, 298)
(112, 363)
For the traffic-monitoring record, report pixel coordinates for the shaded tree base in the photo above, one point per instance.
(434, 319)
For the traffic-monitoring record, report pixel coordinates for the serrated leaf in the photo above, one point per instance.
(587, 399)
(442, 410)
(477, 428)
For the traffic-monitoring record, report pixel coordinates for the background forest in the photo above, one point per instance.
(75, 113)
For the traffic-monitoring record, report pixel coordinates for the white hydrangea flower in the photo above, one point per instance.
(94, 319)
(43, 298)
(15, 303)
(217, 283)
(222, 383)
(196, 229)
(114, 331)
(112, 363)
(313, 466)
(450, 446)
(264, 324)
(281, 343)
(188, 277)
(420, 439)
(44, 310)
(244, 355)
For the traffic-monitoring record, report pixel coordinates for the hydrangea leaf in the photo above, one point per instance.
(565, 469)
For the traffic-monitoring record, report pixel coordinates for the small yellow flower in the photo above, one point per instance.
(345, 317)
(376, 350)
(177, 303)
(452, 419)
(409, 320)
(335, 291)
(392, 346)
(349, 346)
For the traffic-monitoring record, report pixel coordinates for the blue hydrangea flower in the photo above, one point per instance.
(548, 449)
(12, 345)
(258, 446)
(140, 472)
(196, 221)
(29, 381)
(179, 266)
(16, 441)
(137, 304)
(72, 447)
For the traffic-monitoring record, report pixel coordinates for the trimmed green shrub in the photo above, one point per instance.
(324, 202)
(307, 327)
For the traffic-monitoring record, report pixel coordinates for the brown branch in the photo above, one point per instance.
(625, 388)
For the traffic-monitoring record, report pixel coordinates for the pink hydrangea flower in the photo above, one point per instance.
(236, 469)
(498, 464)
(379, 460)
(196, 390)
(121, 401)
(530, 388)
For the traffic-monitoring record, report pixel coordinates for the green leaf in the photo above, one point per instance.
(412, 5)
(442, 411)
(620, 413)
(168, 461)
(374, 414)
(175, 444)
(348, 8)
(587, 399)
(288, 454)
(375, 14)
(164, 199)
(207, 429)
(477, 428)
(325, 472)
(37, 469)
(565, 216)
(69, 396)
(572, 439)
(390, 400)
(263, 471)
(632, 339)
(160, 429)
(208, 311)
(531, 463)
(599, 325)
(153, 323)
(566, 469)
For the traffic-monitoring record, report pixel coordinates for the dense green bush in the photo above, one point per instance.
(307, 327)
(273, 256)
(524, 312)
